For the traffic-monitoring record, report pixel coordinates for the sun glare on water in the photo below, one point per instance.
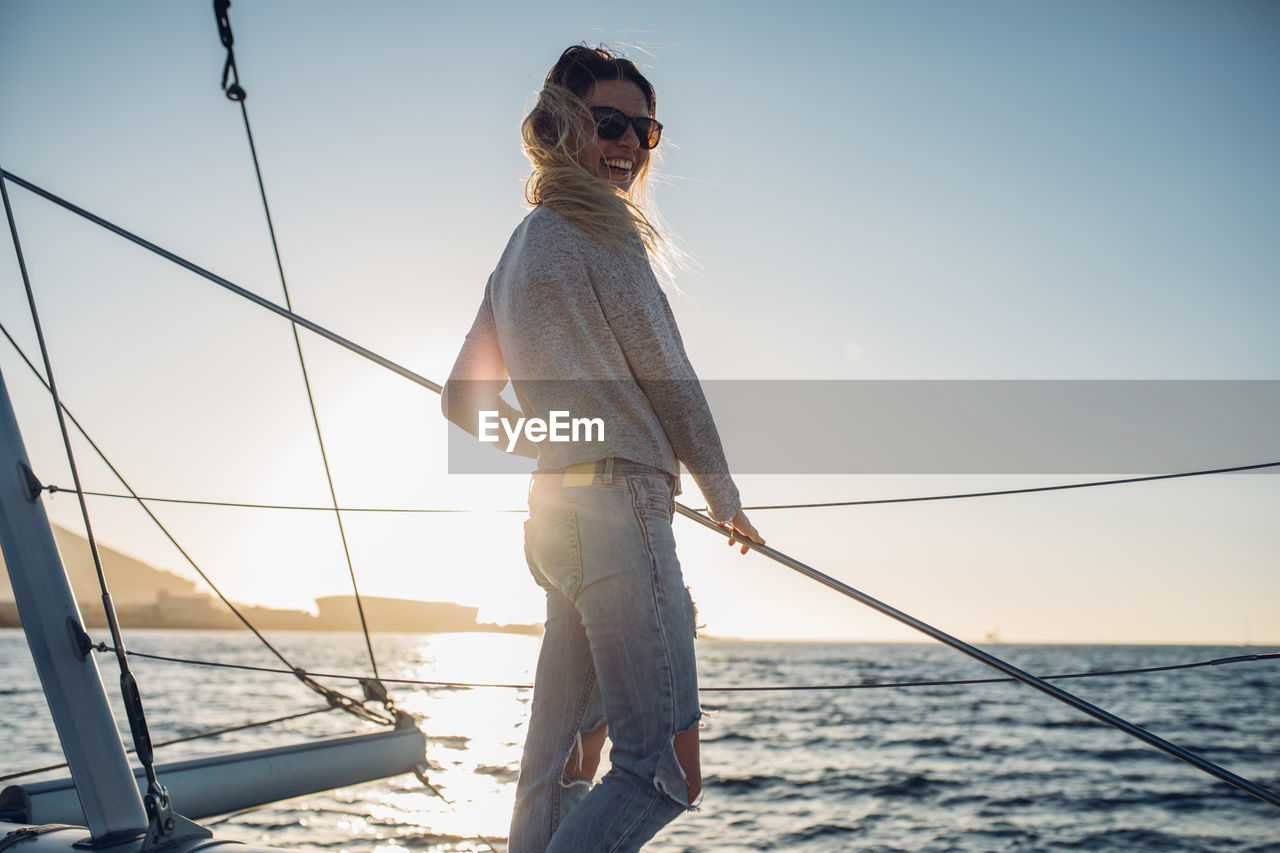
(474, 735)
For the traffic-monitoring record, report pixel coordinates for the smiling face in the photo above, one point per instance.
(617, 161)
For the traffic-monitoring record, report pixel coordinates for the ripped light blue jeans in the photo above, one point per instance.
(618, 647)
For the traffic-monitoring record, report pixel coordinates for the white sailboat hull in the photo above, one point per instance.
(204, 787)
(61, 839)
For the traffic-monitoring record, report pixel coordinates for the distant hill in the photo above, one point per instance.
(147, 597)
(131, 581)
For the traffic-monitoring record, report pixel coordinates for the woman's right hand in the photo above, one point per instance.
(740, 530)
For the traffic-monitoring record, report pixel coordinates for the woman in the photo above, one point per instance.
(573, 314)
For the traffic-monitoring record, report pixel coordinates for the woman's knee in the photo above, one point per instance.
(584, 758)
(688, 754)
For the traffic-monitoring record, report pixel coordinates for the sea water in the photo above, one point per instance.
(984, 767)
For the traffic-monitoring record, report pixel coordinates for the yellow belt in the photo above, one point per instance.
(584, 473)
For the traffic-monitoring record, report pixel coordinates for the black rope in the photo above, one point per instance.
(334, 699)
(864, 685)
(871, 685)
(226, 730)
(231, 286)
(237, 94)
(208, 734)
(1019, 491)
(53, 489)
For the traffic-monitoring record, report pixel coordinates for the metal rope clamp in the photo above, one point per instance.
(164, 827)
(221, 10)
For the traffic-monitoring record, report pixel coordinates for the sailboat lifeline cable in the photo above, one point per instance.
(54, 489)
(736, 688)
(185, 738)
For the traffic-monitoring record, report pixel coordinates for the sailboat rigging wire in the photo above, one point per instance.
(54, 489)
(1027, 491)
(334, 698)
(996, 663)
(156, 799)
(236, 94)
(234, 288)
(198, 736)
(813, 574)
(738, 688)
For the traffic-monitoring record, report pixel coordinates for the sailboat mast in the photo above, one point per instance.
(53, 626)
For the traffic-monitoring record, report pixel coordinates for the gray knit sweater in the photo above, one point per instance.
(583, 328)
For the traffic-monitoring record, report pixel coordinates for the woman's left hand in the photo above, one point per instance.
(741, 530)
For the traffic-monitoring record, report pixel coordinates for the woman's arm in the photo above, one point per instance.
(641, 321)
(475, 384)
(651, 340)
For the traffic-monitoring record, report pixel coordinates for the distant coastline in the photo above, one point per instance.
(338, 613)
(147, 597)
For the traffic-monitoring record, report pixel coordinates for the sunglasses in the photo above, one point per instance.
(611, 123)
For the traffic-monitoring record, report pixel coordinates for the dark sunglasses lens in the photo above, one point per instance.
(649, 132)
(610, 124)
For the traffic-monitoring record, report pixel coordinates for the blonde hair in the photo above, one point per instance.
(554, 132)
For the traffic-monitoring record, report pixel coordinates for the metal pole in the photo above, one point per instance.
(68, 673)
(1000, 665)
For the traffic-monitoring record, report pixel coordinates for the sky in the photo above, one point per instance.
(910, 190)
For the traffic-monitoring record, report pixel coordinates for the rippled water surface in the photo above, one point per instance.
(963, 768)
